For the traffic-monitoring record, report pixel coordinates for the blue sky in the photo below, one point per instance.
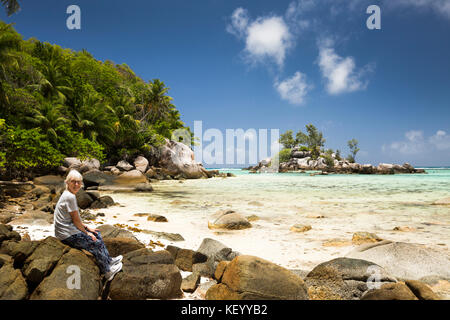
(281, 64)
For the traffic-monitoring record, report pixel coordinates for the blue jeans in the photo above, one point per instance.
(97, 248)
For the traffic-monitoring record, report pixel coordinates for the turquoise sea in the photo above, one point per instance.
(335, 206)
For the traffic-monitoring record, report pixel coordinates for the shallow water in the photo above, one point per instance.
(350, 203)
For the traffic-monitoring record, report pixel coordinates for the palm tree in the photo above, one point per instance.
(48, 118)
(158, 104)
(11, 6)
(95, 119)
(9, 41)
(52, 82)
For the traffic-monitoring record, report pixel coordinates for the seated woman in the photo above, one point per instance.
(71, 231)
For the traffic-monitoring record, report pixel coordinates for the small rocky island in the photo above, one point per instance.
(329, 163)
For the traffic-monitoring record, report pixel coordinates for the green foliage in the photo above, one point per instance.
(313, 140)
(11, 6)
(27, 149)
(73, 144)
(353, 146)
(287, 139)
(80, 106)
(338, 155)
(304, 148)
(284, 155)
(329, 161)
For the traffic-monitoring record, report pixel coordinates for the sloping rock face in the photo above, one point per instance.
(75, 277)
(405, 260)
(344, 279)
(42, 270)
(12, 284)
(253, 278)
(147, 275)
(177, 158)
(215, 251)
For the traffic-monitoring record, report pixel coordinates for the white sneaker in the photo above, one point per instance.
(116, 260)
(112, 272)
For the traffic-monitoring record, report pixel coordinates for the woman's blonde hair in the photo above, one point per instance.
(73, 175)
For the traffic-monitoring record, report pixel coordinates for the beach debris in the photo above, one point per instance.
(255, 203)
(315, 216)
(336, 243)
(156, 218)
(442, 202)
(300, 228)
(365, 237)
(404, 229)
(252, 217)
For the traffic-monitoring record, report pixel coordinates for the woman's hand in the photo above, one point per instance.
(91, 230)
(92, 236)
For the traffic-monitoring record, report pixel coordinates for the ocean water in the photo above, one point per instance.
(347, 203)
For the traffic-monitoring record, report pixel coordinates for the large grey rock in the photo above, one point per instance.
(344, 279)
(131, 177)
(141, 164)
(124, 165)
(84, 200)
(109, 231)
(146, 275)
(252, 278)
(61, 283)
(41, 262)
(12, 284)
(177, 158)
(405, 260)
(215, 251)
(230, 220)
(96, 177)
(49, 180)
(33, 217)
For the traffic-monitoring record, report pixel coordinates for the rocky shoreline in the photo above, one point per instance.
(37, 270)
(302, 161)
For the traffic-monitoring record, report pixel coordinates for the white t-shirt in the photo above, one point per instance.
(64, 226)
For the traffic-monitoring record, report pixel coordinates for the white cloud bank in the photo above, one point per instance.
(293, 89)
(416, 143)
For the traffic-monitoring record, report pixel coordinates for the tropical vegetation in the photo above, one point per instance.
(314, 142)
(56, 102)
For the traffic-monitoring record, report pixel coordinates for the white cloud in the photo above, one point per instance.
(414, 143)
(239, 23)
(341, 73)
(293, 89)
(268, 38)
(265, 38)
(440, 6)
(441, 140)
